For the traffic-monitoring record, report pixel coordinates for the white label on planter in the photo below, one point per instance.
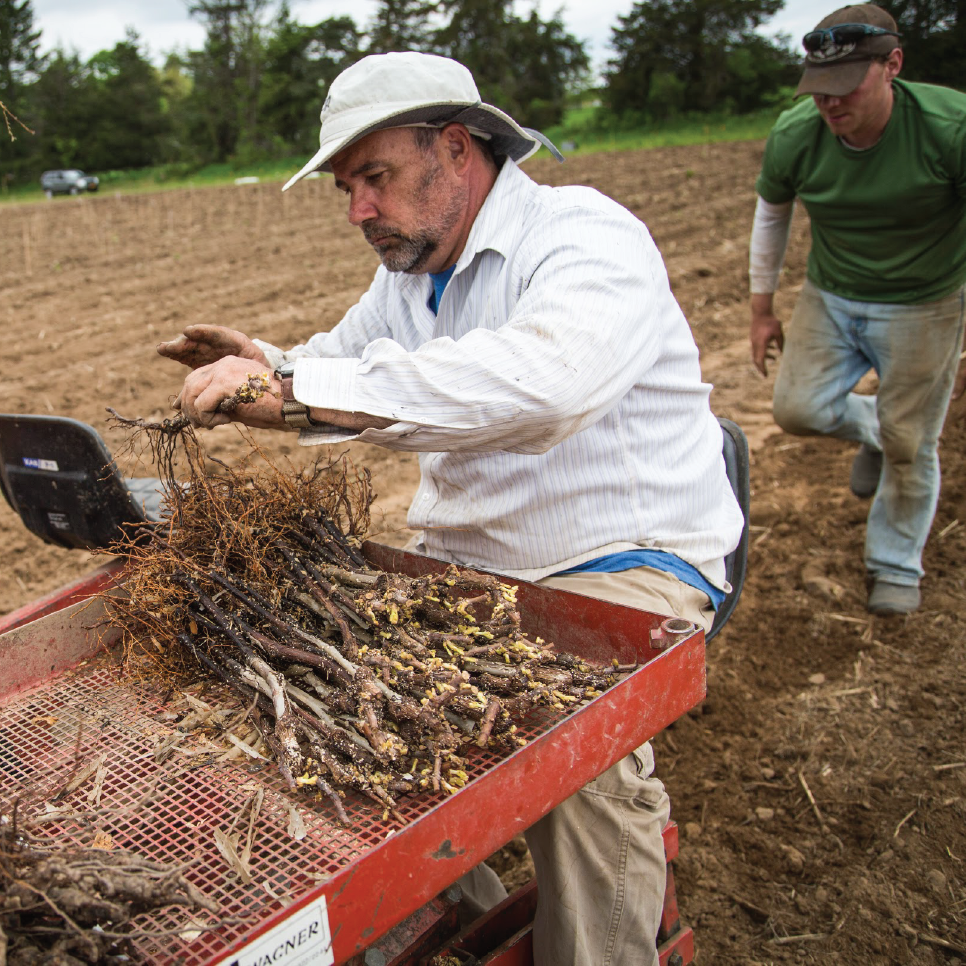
(59, 521)
(36, 464)
(303, 939)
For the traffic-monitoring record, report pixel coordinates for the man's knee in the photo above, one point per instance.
(906, 450)
(797, 416)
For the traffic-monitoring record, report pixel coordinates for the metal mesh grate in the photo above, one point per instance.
(89, 712)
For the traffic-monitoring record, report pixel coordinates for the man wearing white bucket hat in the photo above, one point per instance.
(525, 342)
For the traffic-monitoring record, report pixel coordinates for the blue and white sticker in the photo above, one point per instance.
(302, 939)
(36, 464)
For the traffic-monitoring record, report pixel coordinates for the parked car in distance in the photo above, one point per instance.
(68, 182)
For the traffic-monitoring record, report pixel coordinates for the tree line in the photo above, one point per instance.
(254, 90)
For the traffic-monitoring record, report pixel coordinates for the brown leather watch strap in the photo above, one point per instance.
(293, 412)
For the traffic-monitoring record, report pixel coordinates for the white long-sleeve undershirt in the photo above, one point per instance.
(769, 241)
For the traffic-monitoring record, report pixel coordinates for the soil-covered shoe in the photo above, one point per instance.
(887, 598)
(866, 470)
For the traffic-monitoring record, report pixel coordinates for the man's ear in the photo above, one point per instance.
(894, 63)
(456, 146)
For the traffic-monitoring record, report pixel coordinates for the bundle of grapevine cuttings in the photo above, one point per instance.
(356, 678)
(70, 904)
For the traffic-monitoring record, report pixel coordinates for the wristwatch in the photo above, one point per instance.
(293, 412)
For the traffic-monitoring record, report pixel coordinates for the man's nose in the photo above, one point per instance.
(361, 209)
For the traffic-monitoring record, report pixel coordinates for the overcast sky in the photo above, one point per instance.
(164, 25)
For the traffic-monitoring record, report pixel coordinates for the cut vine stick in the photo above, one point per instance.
(321, 712)
(317, 684)
(333, 796)
(473, 651)
(319, 550)
(464, 724)
(805, 937)
(275, 683)
(347, 578)
(277, 751)
(930, 940)
(341, 740)
(309, 602)
(749, 906)
(493, 708)
(316, 660)
(269, 683)
(252, 600)
(287, 628)
(326, 529)
(497, 670)
(343, 601)
(905, 819)
(323, 594)
(220, 618)
(348, 665)
(813, 803)
(332, 545)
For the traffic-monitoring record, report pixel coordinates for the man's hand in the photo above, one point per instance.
(766, 332)
(959, 386)
(231, 378)
(201, 345)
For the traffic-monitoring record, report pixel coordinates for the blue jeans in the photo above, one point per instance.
(831, 343)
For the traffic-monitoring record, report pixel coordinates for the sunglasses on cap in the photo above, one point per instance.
(841, 39)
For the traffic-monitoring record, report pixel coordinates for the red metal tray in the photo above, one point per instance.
(349, 884)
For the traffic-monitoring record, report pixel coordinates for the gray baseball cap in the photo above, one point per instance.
(837, 65)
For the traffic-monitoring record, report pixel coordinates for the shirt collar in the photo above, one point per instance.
(491, 230)
(491, 227)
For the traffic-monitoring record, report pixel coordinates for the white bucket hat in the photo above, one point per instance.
(412, 89)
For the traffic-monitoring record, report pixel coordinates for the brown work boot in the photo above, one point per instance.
(866, 470)
(886, 598)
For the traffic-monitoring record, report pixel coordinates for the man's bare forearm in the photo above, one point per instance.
(763, 303)
(354, 421)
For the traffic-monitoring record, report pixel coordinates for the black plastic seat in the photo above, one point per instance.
(58, 475)
(735, 452)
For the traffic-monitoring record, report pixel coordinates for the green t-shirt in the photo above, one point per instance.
(889, 222)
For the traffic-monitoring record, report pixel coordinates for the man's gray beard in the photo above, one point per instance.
(410, 252)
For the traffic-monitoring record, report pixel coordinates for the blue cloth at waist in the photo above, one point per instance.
(613, 563)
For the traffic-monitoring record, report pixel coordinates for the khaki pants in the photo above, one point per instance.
(599, 855)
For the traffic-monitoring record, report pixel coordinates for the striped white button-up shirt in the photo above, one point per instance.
(555, 400)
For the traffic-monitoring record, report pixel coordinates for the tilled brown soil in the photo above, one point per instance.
(821, 787)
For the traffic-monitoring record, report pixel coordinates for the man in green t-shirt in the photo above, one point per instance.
(880, 166)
